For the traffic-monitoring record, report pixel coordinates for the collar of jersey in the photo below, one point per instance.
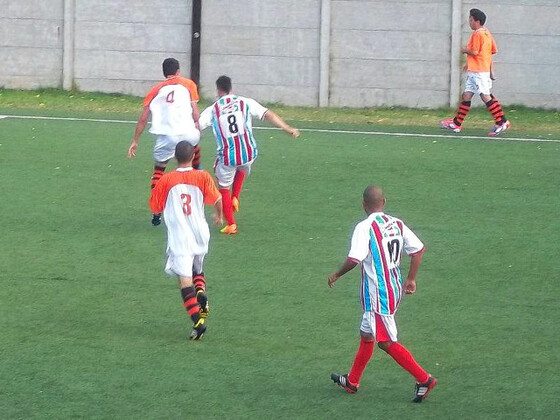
(190, 168)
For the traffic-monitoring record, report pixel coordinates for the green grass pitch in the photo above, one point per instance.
(93, 328)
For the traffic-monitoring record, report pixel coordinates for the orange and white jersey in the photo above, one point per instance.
(170, 103)
(181, 196)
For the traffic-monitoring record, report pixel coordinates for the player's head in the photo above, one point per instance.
(223, 85)
(477, 18)
(170, 67)
(374, 200)
(184, 152)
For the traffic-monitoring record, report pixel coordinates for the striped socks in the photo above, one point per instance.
(461, 114)
(496, 110)
(158, 173)
(191, 303)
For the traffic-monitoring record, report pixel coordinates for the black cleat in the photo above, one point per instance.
(343, 382)
(203, 302)
(156, 219)
(421, 391)
(198, 329)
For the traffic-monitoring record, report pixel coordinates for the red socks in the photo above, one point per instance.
(403, 357)
(227, 206)
(363, 355)
(190, 303)
(238, 183)
(496, 110)
(196, 158)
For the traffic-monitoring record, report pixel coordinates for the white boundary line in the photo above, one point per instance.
(316, 130)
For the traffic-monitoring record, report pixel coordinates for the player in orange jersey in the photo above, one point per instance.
(181, 196)
(173, 107)
(479, 51)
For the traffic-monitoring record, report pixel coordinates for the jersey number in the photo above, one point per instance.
(186, 199)
(232, 124)
(394, 250)
(170, 97)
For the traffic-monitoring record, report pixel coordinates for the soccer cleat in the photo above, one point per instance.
(235, 204)
(498, 129)
(343, 382)
(203, 302)
(156, 219)
(421, 391)
(198, 329)
(229, 229)
(450, 125)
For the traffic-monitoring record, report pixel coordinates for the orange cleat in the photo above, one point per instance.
(230, 229)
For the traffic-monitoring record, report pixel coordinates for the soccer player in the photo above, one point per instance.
(377, 244)
(172, 105)
(181, 196)
(230, 117)
(479, 51)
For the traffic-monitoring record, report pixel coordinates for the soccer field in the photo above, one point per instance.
(93, 328)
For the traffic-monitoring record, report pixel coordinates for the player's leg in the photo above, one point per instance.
(225, 175)
(351, 381)
(164, 150)
(387, 341)
(455, 124)
(199, 282)
(181, 266)
(240, 175)
(501, 123)
(194, 138)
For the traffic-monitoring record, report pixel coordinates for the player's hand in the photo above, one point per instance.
(492, 75)
(410, 286)
(294, 132)
(132, 150)
(332, 279)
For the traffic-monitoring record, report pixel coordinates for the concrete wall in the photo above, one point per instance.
(301, 52)
(31, 43)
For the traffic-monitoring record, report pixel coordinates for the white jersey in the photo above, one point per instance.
(181, 196)
(231, 120)
(170, 103)
(377, 243)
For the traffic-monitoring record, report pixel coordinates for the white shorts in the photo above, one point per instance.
(478, 83)
(184, 265)
(225, 174)
(164, 148)
(382, 327)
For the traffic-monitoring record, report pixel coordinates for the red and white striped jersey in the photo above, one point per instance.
(230, 118)
(377, 243)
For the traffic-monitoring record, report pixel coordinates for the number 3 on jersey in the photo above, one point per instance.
(186, 199)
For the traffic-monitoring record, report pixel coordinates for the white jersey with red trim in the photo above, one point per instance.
(377, 243)
(170, 103)
(231, 120)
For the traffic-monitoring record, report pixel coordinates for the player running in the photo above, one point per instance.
(172, 105)
(231, 120)
(377, 244)
(479, 50)
(181, 196)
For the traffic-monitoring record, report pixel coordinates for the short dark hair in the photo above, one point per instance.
(184, 152)
(170, 66)
(224, 84)
(478, 15)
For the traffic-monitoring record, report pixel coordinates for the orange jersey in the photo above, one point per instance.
(181, 196)
(170, 103)
(482, 42)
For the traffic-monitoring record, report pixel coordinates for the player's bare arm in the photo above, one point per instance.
(218, 212)
(140, 125)
(410, 282)
(345, 268)
(280, 123)
(195, 114)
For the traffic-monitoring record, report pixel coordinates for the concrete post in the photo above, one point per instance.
(324, 53)
(455, 58)
(68, 45)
